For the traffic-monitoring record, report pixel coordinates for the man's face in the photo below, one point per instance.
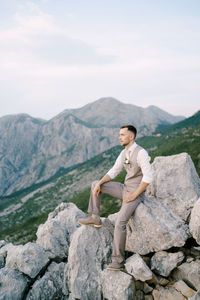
(125, 136)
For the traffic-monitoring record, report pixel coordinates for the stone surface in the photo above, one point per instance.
(164, 262)
(117, 285)
(194, 224)
(89, 253)
(113, 218)
(153, 227)
(136, 266)
(30, 259)
(54, 235)
(189, 272)
(50, 285)
(175, 183)
(2, 243)
(147, 289)
(12, 284)
(182, 287)
(196, 296)
(167, 294)
(2, 261)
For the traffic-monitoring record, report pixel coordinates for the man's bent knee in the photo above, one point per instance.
(94, 183)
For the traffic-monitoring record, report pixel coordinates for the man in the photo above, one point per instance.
(135, 160)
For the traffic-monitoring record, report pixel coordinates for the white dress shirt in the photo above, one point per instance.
(143, 161)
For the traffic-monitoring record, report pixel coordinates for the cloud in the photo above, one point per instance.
(36, 39)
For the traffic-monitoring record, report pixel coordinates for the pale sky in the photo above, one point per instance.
(64, 54)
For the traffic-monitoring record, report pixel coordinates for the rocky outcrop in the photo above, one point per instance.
(54, 236)
(136, 266)
(195, 221)
(154, 227)
(69, 261)
(13, 284)
(29, 259)
(50, 285)
(117, 285)
(175, 183)
(164, 262)
(87, 259)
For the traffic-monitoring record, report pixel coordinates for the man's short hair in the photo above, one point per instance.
(130, 128)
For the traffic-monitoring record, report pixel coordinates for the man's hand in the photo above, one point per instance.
(129, 197)
(97, 190)
(132, 196)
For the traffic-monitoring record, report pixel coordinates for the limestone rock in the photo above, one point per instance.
(196, 296)
(147, 289)
(2, 261)
(30, 259)
(136, 266)
(2, 243)
(89, 253)
(12, 284)
(189, 272)
(148, 297)
(175, 183)
(195, 221)
(113, 218)
(139, 295)
(182, 287)
(117, 285)
(167, 293)
(164, 262)
(54, 235)
(153, 227)
(49, 286)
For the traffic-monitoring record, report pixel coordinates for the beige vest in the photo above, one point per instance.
(134, 173)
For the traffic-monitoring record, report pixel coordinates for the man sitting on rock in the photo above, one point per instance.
(136, 162)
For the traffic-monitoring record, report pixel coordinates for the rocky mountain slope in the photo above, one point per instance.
(22, 212)
(69, 261)
(33, 150)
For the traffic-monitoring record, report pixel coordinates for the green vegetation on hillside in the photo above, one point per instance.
(21, 225)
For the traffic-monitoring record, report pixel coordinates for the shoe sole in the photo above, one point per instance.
(115, 269)
(93, 224)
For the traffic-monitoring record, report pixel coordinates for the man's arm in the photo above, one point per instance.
(132, 196)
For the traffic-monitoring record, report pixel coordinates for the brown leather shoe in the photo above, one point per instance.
(95, 221)
(115, 266)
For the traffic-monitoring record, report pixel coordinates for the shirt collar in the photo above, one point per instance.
(132, 148)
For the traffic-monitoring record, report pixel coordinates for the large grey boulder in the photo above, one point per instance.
(167, 294)
(164, 262)
(189, 272)
(89, 253)
(54, 235)
(117, 285)
(175, 183)
(30, 259)
(136, 266)
(50, 285)
(13, 284)
(154, 227)
(195, 221)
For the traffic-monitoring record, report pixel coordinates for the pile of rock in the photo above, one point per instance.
(163, 253)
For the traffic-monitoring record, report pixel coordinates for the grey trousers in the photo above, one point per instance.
(115, 189)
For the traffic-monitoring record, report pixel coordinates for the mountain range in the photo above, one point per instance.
(23, 211)
(33, 150)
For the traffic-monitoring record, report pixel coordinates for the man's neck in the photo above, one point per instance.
(129, 145)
